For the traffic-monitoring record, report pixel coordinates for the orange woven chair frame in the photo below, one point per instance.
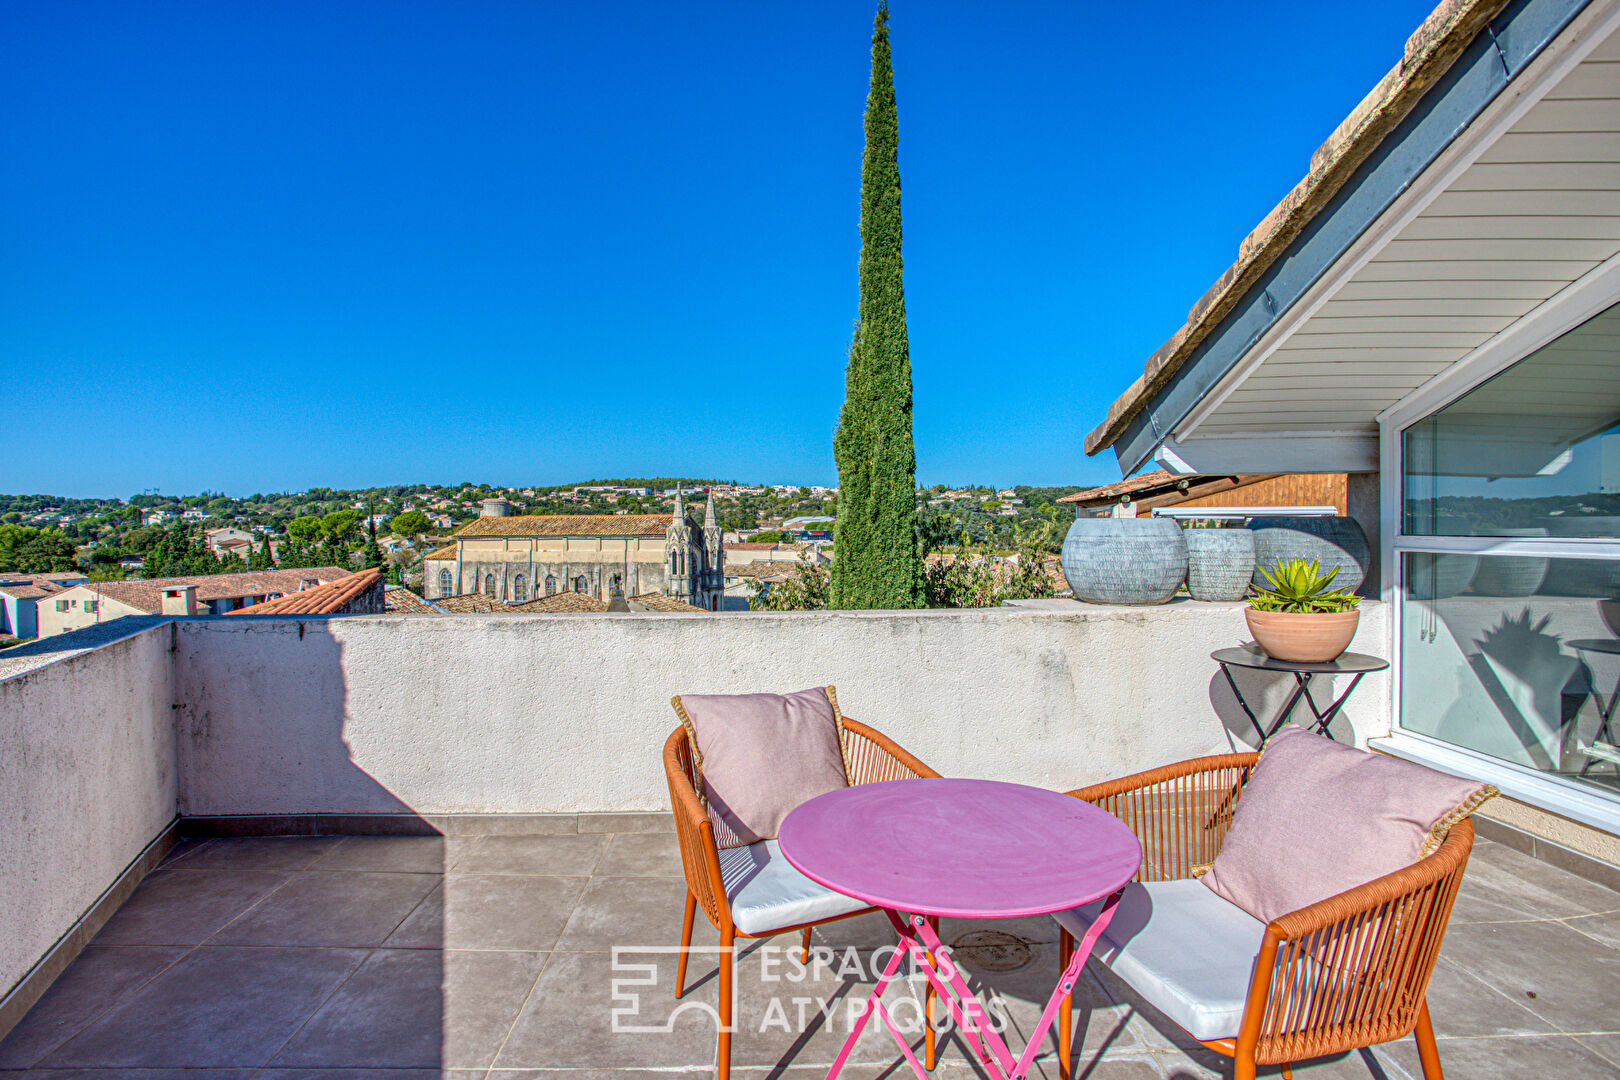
(1344, 973)
(872, 757)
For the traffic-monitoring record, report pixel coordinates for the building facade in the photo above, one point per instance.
(97, 602)
(21, 595)
(516, 559)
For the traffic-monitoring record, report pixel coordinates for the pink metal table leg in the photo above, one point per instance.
(918, 940)
(872, 1003)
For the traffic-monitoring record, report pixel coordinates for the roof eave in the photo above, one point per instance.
(1431, 52)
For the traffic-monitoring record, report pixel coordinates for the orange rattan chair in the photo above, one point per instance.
(871, 757)
(1344, 973)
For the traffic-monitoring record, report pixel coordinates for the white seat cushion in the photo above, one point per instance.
(1186, 950)
(766, 893)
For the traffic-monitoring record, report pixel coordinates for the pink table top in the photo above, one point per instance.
(960, 848)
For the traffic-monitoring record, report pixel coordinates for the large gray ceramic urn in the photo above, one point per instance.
(1220, 563)
(1330, 542)
(1124, 560)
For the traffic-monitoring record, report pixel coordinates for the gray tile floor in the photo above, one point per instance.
(493, 956)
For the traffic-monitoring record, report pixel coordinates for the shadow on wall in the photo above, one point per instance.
(268, 714)
(1267, 692)
(385, 898)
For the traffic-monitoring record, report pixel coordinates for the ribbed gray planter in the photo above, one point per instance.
(1510, 575)
(1220, 563)
(1583, 577)
(1330, 541)
(1435, 577)
(1125, 560)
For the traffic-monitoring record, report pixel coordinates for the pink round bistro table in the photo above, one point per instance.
(969, 849)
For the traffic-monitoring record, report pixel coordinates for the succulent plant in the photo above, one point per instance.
(1300, 587)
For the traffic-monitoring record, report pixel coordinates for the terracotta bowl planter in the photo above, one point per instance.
(1303, 639)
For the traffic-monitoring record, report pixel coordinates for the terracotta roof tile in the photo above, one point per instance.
(446, 553)
(763, 569)
(567, 525)
(328, 599)
(563, 601)
(1121, 487)
(398, 600)
(470, 604)
(660, 602)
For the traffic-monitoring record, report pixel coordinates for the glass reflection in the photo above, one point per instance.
(1517, 658)
(1534, 451)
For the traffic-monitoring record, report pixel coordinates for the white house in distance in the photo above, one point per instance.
(20, 595)
(1435, 310)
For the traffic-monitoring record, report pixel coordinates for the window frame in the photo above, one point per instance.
(1569, 309)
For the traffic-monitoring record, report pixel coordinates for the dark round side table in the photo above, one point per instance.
(1356, 664)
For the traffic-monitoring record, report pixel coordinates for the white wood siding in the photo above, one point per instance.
(1539, 209)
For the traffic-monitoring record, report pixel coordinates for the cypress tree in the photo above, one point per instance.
(877, 563)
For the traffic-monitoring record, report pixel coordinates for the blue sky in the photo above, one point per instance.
(253, 247)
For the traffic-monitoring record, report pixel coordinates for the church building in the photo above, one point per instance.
(607, 556)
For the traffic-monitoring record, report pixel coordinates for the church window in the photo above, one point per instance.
(615, 586)
(579, 584)
(446, 583)
(551, 585)
(518, 589)
(489, 584)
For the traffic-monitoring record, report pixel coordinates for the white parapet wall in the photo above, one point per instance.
(87, 778)
(566, 713)
(109, 732)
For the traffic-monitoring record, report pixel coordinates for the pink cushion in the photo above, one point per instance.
(1319, 817)
(760, 755)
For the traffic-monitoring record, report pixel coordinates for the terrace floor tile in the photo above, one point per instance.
(633, 911)
(176, 907)
(216, 1008)
(561, 856)
(475, 911)
(258, 853)
(569, 1020)
(418, 1008)
(1526, 1057)
(1555, 972)
(355, 910)
(91, 985)
(397, 854)
(641, 855)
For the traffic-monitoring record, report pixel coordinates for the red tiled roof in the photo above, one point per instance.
(398, 600)
(563, 601)
(470, 604)
(328, 599)
(447, 553)
(1121, 487)
(660, 602)
(567, 525)
(146, 594)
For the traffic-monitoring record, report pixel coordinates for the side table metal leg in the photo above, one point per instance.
(1244, 705)
(1302, 685)
(1325, 719)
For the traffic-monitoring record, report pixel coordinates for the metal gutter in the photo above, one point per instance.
(1146, 415)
